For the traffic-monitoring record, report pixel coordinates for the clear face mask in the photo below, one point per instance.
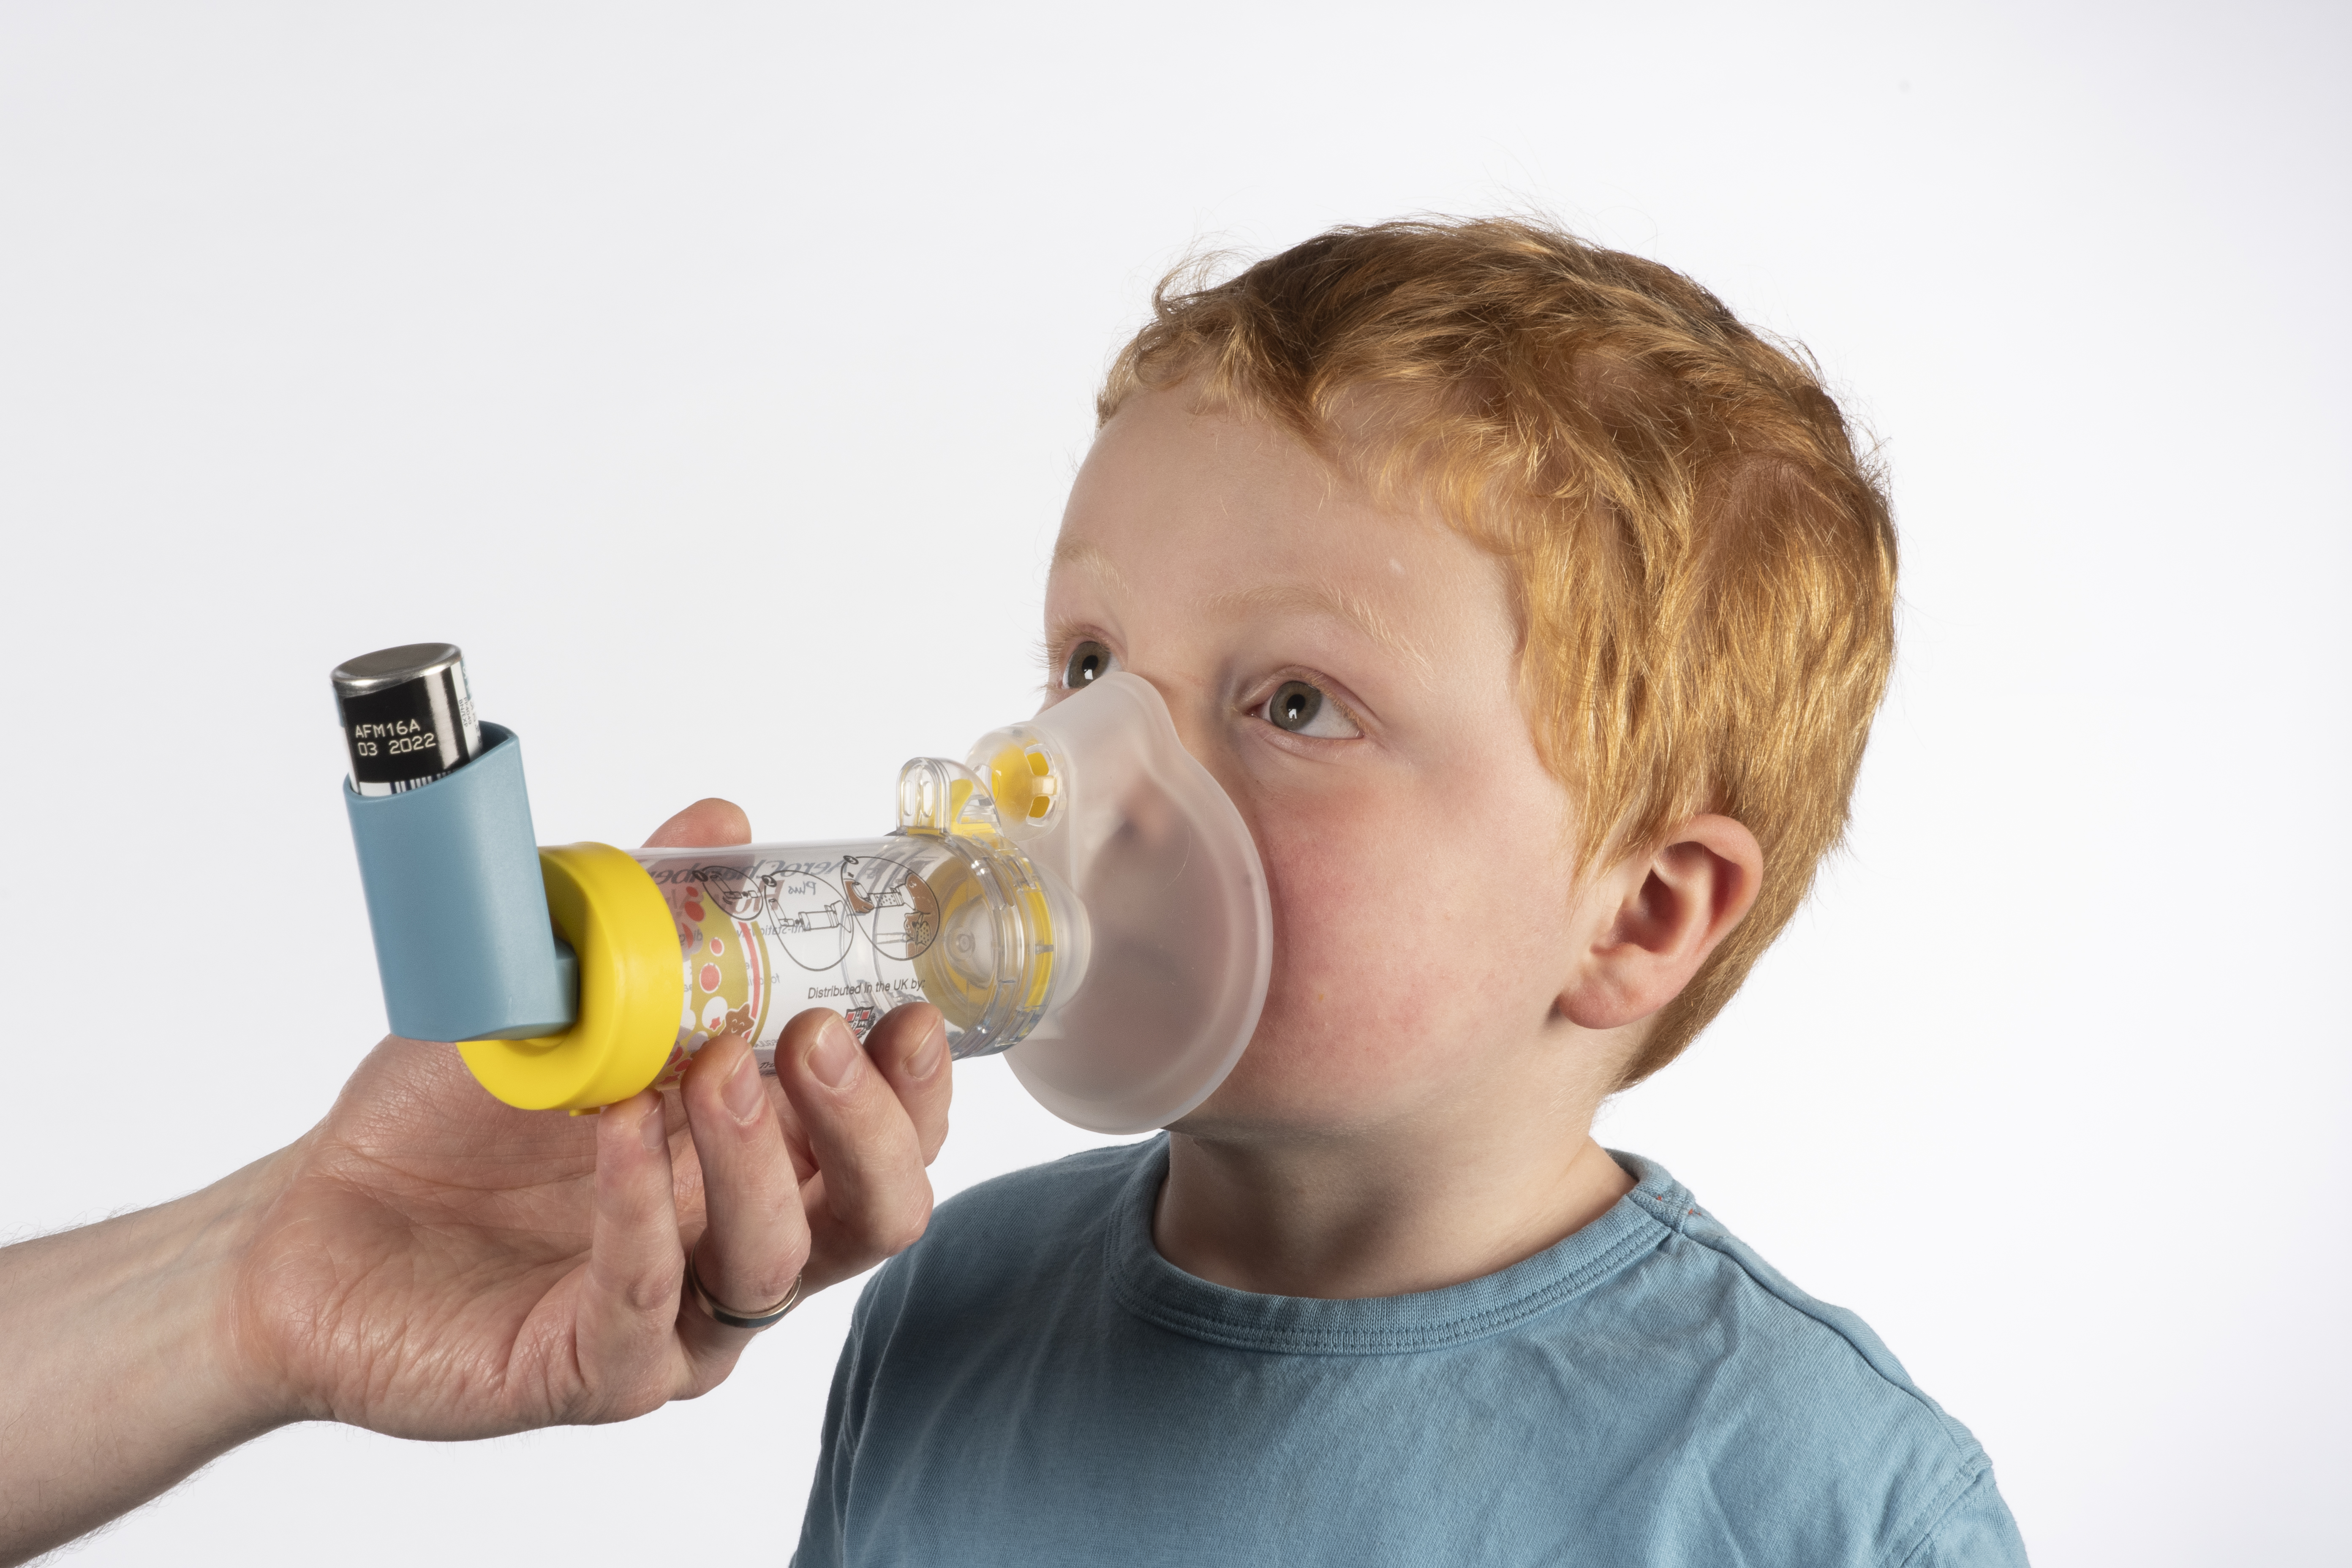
(1078, 895)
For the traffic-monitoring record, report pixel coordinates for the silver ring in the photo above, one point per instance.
(722, 1313)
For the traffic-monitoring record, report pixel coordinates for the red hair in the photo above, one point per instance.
(1704, 564)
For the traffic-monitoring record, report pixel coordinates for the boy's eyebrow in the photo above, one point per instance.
(1315, 598)
(1325, 598)
(1083, 553)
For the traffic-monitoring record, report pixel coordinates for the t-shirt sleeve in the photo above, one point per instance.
(1976, 1532)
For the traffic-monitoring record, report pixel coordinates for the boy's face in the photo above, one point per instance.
(1349, 676)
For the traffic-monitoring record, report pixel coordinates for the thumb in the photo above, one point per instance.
(706, 821)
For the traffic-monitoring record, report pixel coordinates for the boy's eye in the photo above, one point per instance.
(1089, 662)
(1303, 709)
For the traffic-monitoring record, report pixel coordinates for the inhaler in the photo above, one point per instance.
(1078, 894)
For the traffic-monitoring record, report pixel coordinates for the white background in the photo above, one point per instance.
(714, 375)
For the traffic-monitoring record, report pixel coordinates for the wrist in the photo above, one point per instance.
(224, 1337)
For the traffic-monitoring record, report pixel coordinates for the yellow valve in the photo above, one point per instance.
(1022, 781)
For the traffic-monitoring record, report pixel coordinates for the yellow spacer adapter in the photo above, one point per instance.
(632, 989)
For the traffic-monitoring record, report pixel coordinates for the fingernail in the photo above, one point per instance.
(835, 1056)
(653, 1129)
(929, 1054)
(744, 1098)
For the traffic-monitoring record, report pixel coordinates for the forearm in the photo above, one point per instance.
(118, 1372)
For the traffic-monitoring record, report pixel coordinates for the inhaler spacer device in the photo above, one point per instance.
(1078, 894)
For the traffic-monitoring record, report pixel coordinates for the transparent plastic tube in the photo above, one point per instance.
(767, 930)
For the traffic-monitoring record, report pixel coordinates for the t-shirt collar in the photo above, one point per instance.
(1158, 1291)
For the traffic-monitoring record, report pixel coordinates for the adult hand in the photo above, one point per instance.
(430, 1263)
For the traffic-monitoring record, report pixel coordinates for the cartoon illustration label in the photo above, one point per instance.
(763, 939)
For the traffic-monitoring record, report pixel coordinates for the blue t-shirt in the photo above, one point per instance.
(1031, 1383)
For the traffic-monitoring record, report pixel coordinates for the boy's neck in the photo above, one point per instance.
(1404, 1207)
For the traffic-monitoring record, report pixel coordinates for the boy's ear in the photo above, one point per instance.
(1670, 911)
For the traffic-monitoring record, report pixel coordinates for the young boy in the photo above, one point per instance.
(1533, 612)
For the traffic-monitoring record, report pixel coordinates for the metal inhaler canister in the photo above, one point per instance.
(441, 822)
(407, 716)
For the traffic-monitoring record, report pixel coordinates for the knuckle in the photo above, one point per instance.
(654, 1290)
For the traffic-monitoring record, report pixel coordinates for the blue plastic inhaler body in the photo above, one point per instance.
(457, 905)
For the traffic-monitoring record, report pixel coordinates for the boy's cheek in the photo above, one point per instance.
(1385, 952)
